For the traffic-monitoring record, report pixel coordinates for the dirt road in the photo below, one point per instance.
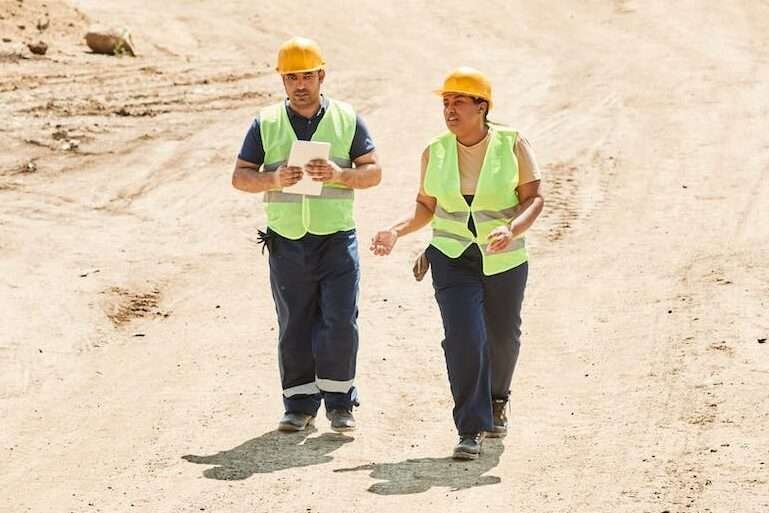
(137, 332)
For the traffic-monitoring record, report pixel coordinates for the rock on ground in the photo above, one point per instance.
(110, 41)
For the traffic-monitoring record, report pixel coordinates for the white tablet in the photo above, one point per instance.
(301, 153)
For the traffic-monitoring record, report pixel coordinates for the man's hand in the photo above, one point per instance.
(322, 170)
(383, 242)
(286, 176)
(500, 238)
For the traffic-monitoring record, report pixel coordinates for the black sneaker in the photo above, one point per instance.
(499, 421)
(469, 447)
(341, 420)
(295, 422)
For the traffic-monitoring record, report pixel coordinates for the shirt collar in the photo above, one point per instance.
(321, 111)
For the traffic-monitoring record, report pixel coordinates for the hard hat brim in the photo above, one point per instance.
(305, 70)
(441, 92)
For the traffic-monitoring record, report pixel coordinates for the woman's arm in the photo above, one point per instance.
(530, 206)
(383, 242)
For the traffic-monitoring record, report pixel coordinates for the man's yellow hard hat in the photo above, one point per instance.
(298, 55)
(468, 81)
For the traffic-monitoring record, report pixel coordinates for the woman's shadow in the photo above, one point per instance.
(419, 475)
(270, 452)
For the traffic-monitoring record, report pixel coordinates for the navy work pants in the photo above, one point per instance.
(315, 287)
(482, 328)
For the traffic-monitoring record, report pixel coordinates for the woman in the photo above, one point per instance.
(480, 188)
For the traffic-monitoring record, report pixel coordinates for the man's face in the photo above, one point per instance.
(461, 112)
(303, 89)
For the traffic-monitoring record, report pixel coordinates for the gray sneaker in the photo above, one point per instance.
(341, 420)
(499, 427)
(469, 447)
(295, 422)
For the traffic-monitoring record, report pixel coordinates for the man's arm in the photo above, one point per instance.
(366, 173)
(248, 178)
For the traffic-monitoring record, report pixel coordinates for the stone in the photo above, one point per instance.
(110, 41)
(39, 48)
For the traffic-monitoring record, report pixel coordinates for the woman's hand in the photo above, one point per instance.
(500, 238)
(383, 242)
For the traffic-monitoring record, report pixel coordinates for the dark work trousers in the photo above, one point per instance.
(315, 287)
(482, 328)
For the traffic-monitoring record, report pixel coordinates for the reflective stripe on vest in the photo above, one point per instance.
(294, 215)
(275, 165)
(325, 193)
(328, 191)
(495, 202)
(515, 244)
(480, 215)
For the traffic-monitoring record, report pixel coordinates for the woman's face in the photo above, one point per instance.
(461, 113)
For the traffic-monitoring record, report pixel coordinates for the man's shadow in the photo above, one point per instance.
(419, 475)
(270, 452)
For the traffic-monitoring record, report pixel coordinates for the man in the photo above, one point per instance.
(314, 270)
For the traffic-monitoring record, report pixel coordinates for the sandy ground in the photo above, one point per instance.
(137, 332)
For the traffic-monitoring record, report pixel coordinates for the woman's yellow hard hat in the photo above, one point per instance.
(468, 81)
(299, 55)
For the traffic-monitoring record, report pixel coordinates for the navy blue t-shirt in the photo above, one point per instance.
(253, 150)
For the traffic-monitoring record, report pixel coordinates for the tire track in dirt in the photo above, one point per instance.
(707, 364)
(74, 103)
(577, 187)
(130, 90)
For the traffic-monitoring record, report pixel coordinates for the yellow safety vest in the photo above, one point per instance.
(494, 203)
(294, 215)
